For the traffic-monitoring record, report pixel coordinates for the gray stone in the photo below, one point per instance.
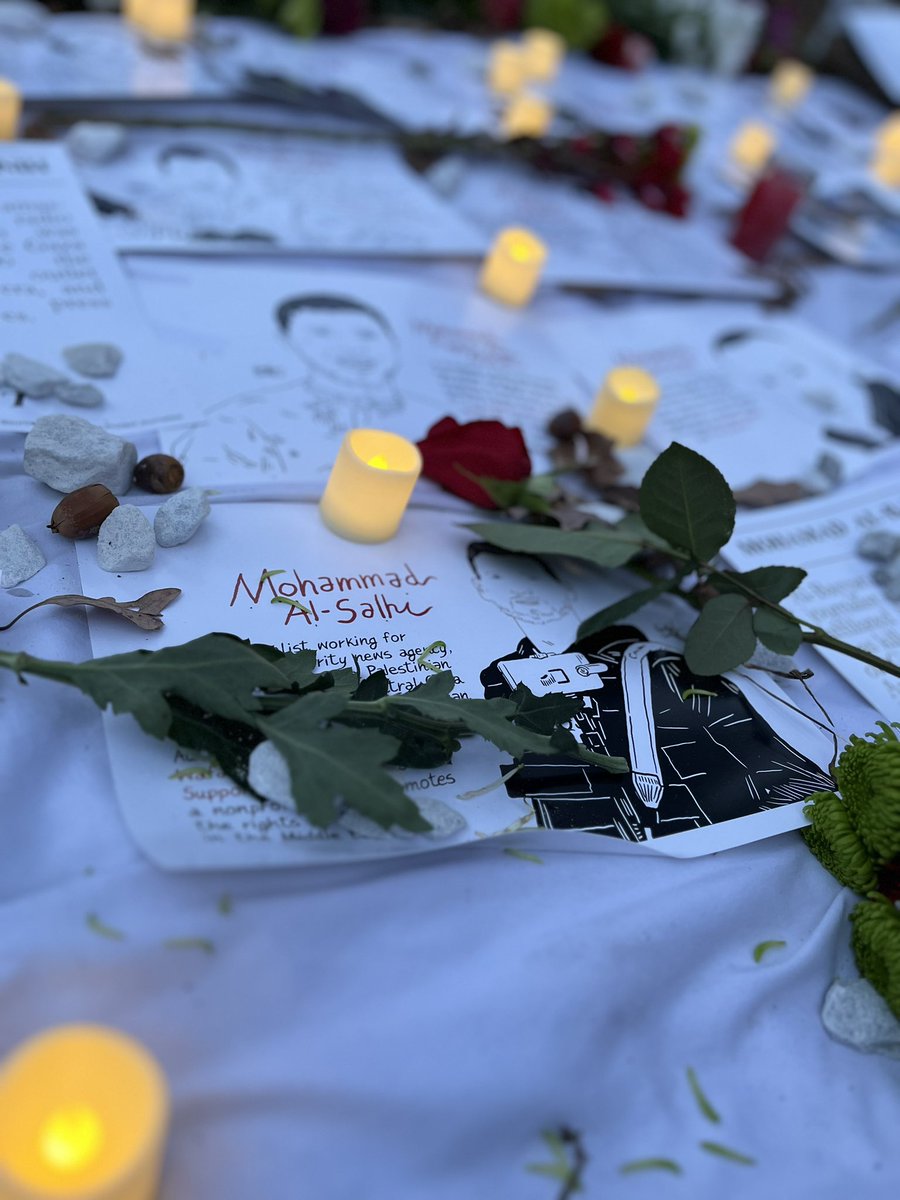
(30, 377)
(20, 557)
(878, 545)
(68, 452)
(125, 541)
(94, 360)
(180, 517)
(268, 774)
(95, 141)
(826, 474)
(79, 395)
(855, 1015)
(444, 821)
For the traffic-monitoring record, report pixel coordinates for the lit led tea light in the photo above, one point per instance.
(512, 269)
(542, 54)
(370, 485)
(506, 70)
(625, 405)
(752, 147)
(10, 110)
(885, 167)
(789, 82)
(71, 1138)
(887, 135)
(527, 115)
(167, 21)
(83, 1115)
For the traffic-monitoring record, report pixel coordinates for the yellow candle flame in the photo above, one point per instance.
(521, 250)
(379, 461)
(70, 1138)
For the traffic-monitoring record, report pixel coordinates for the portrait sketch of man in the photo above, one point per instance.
(349, 357)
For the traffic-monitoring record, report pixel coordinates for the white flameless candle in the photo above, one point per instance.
(166, 21)
(625, 405)
(542, 54)
(512, 268)
(887, 135)
(10, 110)
(752, 146)
(83, 1115)
(506, 72)
(789, 83)
(370, 485)
(527, 115)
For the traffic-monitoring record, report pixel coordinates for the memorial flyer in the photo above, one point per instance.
(713, 763)
(61, 289)
(849, 545)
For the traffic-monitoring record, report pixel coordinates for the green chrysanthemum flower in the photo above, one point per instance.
(868, 776)
(836, 844)
(876, 945)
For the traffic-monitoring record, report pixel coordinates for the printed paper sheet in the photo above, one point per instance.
(708, 770)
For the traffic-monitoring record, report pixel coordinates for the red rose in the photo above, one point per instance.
(344, 16)
(487, 448)
(502, 14)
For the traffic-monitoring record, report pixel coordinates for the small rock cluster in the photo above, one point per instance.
(38, 381)
(92, 467)
(881, 547)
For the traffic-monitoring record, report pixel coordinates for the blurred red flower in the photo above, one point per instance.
(487, 448)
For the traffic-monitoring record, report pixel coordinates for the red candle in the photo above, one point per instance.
(767, 213)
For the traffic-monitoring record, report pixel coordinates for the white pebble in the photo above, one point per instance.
(855, 1014)
(79, 395)
(878, 545)
(30, 377)
(444, 821)
(180, 517)
(67, 453)
(20, 557)
(125, 541)
(95, 360)
(95, 141)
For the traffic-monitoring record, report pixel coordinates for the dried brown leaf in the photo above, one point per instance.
(143, 612)
(765, 494)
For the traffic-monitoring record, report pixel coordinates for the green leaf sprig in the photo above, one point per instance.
(686, 518)
(339, 733)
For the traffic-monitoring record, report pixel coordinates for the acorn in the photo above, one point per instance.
(159, 473)
(81, 513)
(565, 425)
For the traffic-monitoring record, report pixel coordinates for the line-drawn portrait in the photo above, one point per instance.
(850, 408)
(698, 751)
(349, 357)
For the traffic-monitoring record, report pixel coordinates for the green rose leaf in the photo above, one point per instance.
(328, 763)
(596, 544)
(686, 500)
(722, 637)
(613, 613)
(777, 633)
(771, 583)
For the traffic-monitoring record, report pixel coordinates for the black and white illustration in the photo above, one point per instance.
(218, 189)
(706, 771)
(698, 751)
